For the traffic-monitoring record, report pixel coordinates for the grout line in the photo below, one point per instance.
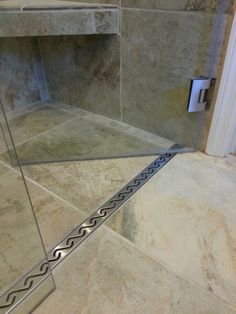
(14, 295)
(45, 132)
(171, 11)
(54, 195)
(120, 127)
(53, 104)
(98, 217)
(165, 264)
(44, 188)
(32, 109)
(104, 200)
(18, 112)
(39, 71)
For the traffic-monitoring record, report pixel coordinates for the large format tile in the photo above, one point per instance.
(19, 234)
(83, 71)
(19, 84)
(188, 5)
(119, 126)
(83, 139)
(57, 18)
(55, 217)
(20, 244)
(159, 59)
(107, 275)
(3, 169)
(99, 1)
(185, 216)
(35, 121)
(87, 184)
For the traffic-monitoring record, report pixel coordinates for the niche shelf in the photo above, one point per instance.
(51, 18)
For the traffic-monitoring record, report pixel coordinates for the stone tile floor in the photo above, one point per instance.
(107, 275)
(43, 124)
(60, 205)
(173, 248)
(170, 249)
(58, 132)
(20, 243)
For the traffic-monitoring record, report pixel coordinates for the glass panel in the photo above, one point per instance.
(21, 247)
(104, 96)
(100, 96)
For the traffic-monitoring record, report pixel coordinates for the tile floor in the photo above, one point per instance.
(170, 249)
(109, 275)
(181, 224)
(58, 132)
(19, 236)
(60, 205)
(186, 217)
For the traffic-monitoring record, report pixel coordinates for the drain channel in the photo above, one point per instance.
(10, 299)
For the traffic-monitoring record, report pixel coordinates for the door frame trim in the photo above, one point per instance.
(223, 124)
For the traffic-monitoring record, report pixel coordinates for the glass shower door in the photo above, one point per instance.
(23, 262)
(116, 95)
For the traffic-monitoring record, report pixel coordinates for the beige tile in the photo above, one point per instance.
(36, 21)
(33, 122)
(84, 139)
(91, 65)
(3, 169)
(20, 244)
(188, 5)
(100, 1)
(3, 146)
(185, 216)
(159, 58)
(19, 236)
(55, 218)
(49, 4)
(126, 130)
(35, 297)
(107, 275)
(87, 184)
(19, 85)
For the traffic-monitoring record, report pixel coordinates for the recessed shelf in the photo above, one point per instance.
(50, 18)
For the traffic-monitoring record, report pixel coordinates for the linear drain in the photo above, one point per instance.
(10, 299)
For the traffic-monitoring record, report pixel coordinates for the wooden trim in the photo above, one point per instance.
(224, 118)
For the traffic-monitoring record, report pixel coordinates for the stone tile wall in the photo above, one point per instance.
(183, 5)
(18, 72)
(84, 71)
(165, 44)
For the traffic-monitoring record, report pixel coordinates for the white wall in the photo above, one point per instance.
(233, 147)
(223, 127)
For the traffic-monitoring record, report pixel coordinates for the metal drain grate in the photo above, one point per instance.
(38, 274)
